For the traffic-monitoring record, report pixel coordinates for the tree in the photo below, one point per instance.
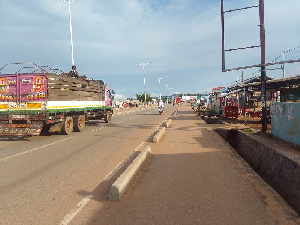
(164, 99)
(141, 97)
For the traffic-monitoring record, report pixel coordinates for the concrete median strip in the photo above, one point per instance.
(167, 123)
(119, 187)
(159, 134)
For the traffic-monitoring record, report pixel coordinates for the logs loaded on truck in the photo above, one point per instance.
(32, 102)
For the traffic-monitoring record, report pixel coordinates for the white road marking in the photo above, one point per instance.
(32, 150)
(67, 219)
(70, 216)
(98, 129)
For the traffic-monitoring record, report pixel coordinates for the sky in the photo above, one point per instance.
(181, 39)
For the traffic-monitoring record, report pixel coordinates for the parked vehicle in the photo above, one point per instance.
(259, 114)
(32, 102)
(178, 100)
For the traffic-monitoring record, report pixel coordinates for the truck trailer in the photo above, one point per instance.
(32, 102)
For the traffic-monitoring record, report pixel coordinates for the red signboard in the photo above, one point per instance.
(231, 112)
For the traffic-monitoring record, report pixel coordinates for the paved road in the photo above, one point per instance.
(194, 177)
(50, 179)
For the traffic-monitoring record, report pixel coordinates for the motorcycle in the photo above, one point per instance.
(160, 110)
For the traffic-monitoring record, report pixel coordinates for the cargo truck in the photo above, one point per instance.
(178, 100)
(32, 102)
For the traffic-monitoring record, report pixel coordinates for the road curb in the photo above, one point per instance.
(174, 114)
(119, 187)
(167, 123)
(159, 134)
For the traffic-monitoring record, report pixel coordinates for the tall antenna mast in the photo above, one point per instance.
(71, 33)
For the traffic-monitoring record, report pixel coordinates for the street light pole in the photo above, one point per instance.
(143, 66)
(159, 86)
(283, 70)
(171, 99)
(167, 92)
(71, 32)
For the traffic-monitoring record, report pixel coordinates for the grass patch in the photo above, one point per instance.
(248, 130)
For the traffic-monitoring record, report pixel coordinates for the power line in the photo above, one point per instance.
(285, 52)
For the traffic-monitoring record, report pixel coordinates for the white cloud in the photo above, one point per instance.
(120, 97)
(181, 38)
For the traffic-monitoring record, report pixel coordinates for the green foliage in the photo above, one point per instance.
(248, 130)
(141, 97)
(164, 99)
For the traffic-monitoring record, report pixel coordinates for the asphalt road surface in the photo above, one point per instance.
(194, 177)
(50, 179)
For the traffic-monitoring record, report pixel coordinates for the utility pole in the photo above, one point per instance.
(263, 67)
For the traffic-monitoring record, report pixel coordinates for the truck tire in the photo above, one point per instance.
(67, 126)
(107, 118)
(79, 123)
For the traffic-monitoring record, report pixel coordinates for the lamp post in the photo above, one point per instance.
(143, 66)
(171, 99)
(71, 32)
(159, 85)
(283, 70)
(167, 92)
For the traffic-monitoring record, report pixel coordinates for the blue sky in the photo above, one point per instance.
(181, 39)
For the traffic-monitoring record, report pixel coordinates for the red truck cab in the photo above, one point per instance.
(178, 100)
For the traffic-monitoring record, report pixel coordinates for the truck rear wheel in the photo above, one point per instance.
(67, 126)
(79, 123)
